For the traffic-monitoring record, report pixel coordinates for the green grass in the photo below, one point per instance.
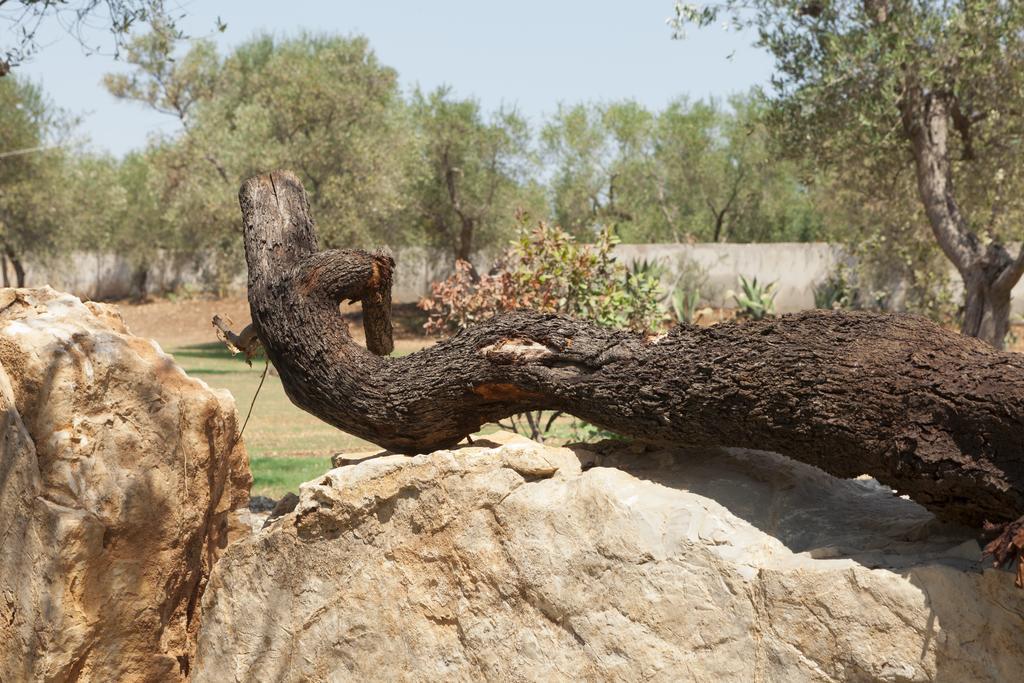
(273, 477)
(286, 446)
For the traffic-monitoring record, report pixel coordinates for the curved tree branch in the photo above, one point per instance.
(936, 416)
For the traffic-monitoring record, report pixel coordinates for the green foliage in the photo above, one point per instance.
(755, 301)
(325, 107)
(552, 272)
(685, 297)
(834, 292)
(321, 105)
(649, 268)
(22, 20)
(897, 270)
(695, 171)
(545, 269)
(684, 303)
(435, 169)
(586, 432)
(472, 174)
(854, 79)
(32, 207)
(167, 83)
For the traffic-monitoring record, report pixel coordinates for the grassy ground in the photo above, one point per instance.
(286, 445)
(274, 477)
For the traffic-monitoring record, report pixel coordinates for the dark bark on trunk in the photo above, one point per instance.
(986, 309)
(464, 247)
(3, 269)
(19, 268)
(935, 415)
(719, 222)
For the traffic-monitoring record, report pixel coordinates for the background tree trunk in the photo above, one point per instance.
(986, 309)
(988, 271)
(19, 268)
(140, 281)
(935, 415)
(464, 244)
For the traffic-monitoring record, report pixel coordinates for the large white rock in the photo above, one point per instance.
(117, 478)
(519, 562)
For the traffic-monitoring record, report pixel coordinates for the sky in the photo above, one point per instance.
(531, 54)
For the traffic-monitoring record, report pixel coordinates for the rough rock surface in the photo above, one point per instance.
(520, 562)
(117, 477)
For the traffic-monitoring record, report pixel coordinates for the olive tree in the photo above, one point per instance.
(472, 172)
(875, 89)
(693, 171)
(23, 19)
(321, 104)
(30, 171)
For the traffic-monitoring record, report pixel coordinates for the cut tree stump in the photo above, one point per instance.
(935, 415)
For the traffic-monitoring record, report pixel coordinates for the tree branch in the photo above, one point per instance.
(926, 122)
(1011, 273)
(937, 416)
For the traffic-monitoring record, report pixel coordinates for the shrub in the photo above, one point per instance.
(835, 291)
(684, 303)
(546, 270)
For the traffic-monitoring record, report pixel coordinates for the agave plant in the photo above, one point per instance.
(652, 268)
(834, 292)
(684, 303)
(755, 301)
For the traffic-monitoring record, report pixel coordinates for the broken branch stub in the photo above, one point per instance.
(245, 342)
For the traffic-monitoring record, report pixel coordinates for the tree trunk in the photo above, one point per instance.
(3, 269)
(719, 223)
(140, 281)
(986, 309)
(988, 271)
(935, 415)
(19, 268)
(464, 247)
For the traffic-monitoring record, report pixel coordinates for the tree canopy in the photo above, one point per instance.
(29, 172)
(23, 19)
(898, 96)
(696, 171)
(383, 165)
(472, 173)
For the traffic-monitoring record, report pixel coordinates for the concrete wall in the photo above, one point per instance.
(106, 276)
(795, 268)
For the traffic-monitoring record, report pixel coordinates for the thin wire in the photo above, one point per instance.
(266, 368)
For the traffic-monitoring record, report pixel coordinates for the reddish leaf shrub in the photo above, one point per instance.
(545, 269)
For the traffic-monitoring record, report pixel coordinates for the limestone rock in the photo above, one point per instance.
(117, 477)
(513, 562)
